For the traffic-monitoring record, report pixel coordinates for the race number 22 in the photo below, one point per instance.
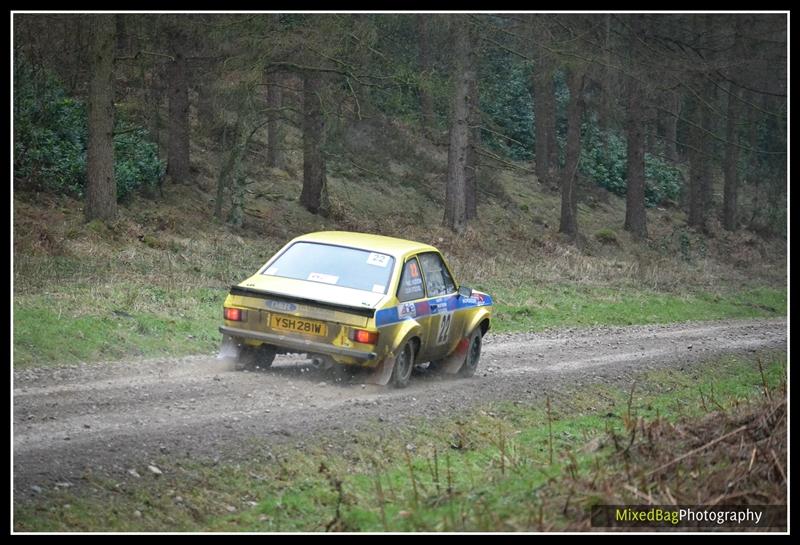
(444, 328)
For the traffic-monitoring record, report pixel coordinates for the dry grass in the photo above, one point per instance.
(730, 457)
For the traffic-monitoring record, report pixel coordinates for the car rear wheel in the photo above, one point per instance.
(473, 354)
(251, 358)
(403, 364)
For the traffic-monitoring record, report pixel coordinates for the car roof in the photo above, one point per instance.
(396, 247)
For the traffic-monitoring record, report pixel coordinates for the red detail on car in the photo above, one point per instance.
(235, 314)
(363, 336)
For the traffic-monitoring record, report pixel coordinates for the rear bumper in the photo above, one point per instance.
(297, 344)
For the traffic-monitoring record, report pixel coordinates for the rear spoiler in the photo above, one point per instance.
(359, 311)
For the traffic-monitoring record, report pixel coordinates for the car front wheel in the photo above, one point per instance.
(473, 354)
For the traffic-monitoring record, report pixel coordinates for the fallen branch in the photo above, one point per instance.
(647, 497)
(698, 449)
(778, 463)
(499, 159)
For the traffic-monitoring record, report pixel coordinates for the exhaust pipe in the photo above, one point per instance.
(322, 363)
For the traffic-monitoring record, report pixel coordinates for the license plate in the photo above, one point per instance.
(298, 325)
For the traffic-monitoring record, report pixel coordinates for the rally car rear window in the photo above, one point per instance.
(335, 265)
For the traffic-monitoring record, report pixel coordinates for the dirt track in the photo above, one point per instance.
(106, 419)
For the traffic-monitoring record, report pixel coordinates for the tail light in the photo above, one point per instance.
(363, 336)
(235, 314)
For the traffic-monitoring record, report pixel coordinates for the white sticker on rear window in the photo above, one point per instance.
(320, 277)
(379, 260)
(378, 288)
(271, 270)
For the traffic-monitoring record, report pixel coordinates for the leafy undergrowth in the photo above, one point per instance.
(666, 437)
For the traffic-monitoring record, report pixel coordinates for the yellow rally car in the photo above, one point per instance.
(357, 299)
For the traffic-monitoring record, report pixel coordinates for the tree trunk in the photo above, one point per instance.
(178, 145)
(227, 165)
(221, 178)
(753, 170)
(731, 190)
(122, 34)
(553, 159)
(206, 113)
(569, 186)
(606, 102)
(101, 189)
(203, 77)
(314, 194)
(236, 216)
(635, 213)
(425, 68)
(77, 55)
(543, 108)
(698, 165)
(671, 128)
(473, 120)
(455, 209)
(275, 155)
(708, 117)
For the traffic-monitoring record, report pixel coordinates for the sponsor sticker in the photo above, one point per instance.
(320, 277)
(282, 305)
(379, 260)
(438, 306)
(407, 310)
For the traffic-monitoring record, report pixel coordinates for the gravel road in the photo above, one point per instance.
(107, 419)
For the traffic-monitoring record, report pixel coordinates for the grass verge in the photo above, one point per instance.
(535, 309)
(159, 303)
(511, 466)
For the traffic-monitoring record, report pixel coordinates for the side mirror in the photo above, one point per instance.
(464, 291)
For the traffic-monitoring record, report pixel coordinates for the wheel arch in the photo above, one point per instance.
(410, 332)
(485, 325)
(482, 319)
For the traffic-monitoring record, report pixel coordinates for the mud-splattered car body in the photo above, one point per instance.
(358, 299)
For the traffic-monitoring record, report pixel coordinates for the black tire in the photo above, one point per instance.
(252, 358)
(403, 365)
(473, 353)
